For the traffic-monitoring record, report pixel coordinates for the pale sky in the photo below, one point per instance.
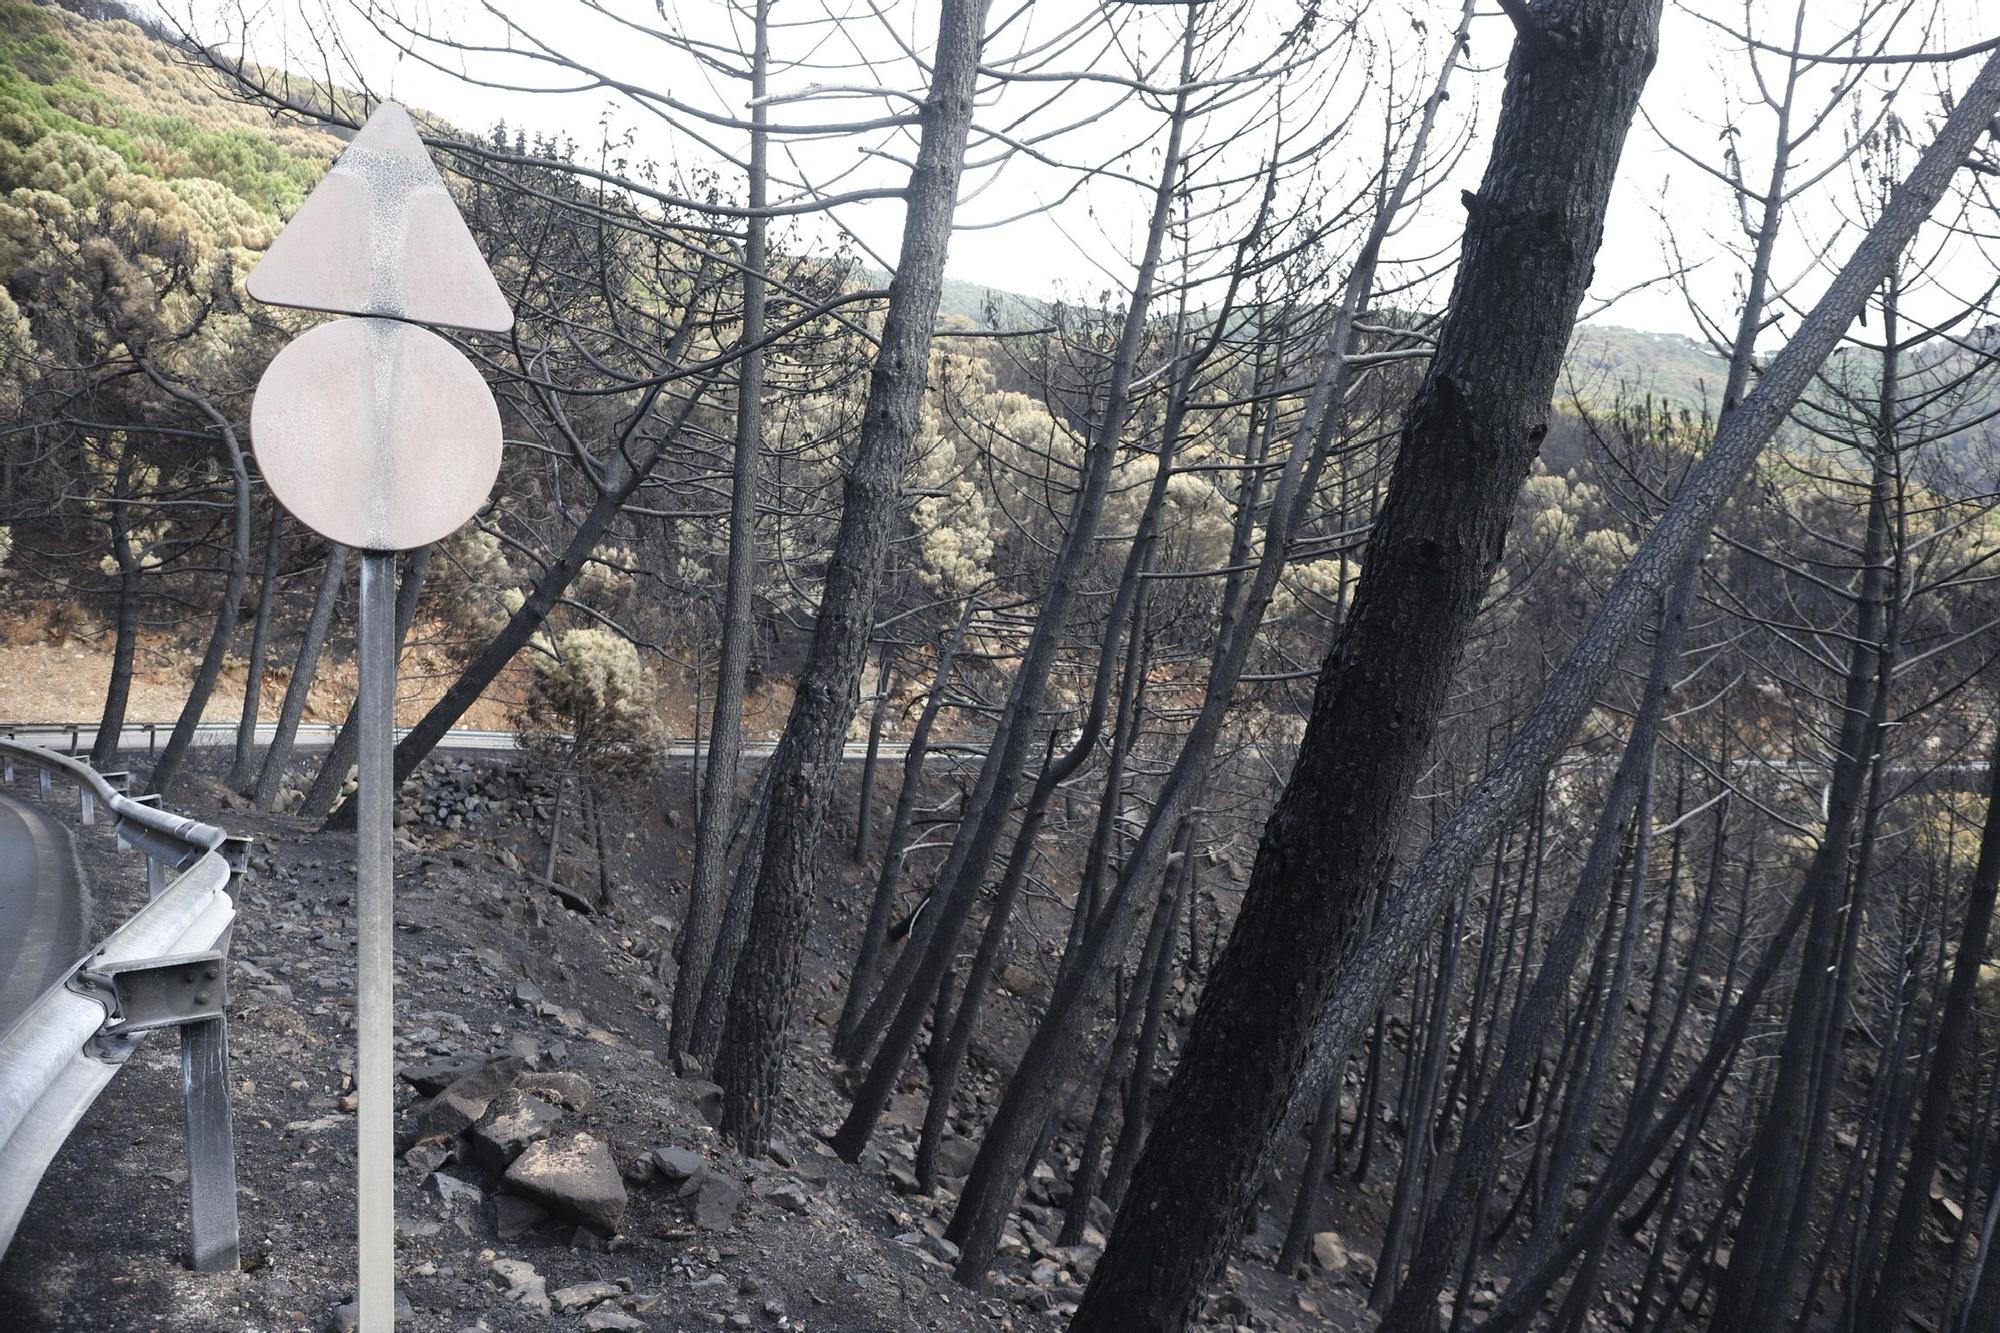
(1040, 227)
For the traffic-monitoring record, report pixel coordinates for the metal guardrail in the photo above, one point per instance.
(166, 966)
(76, 737)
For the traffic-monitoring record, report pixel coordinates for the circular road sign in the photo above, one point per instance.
(376, 434)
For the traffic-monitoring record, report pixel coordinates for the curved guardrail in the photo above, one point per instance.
(166, 966)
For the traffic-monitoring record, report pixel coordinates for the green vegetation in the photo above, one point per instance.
(82, 102)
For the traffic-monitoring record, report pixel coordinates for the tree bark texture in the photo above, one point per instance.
(1478, 419)
(802, 770)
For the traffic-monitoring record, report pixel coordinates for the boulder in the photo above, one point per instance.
(459, 1105)
(706, 1098)
(572, 1092)
(346, 1317)
(515, 1120)
(1329, 1253)
(955, 1155)
(523, 1285)
(715, 1200)
(434, 1076)
(572, 1175)
(787, 1194)
(514, 1217)
(680, 1169)
(453, 1194)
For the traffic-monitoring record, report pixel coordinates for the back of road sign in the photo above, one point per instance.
(380, 235)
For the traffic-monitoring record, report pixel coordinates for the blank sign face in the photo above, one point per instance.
(376, 434)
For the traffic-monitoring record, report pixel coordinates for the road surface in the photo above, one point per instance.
(41, 906)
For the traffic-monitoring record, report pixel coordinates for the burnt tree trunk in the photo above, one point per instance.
(278, 756)
(760, 1004)
(1953, 1038)
(716, 803)
(1478, 419)
(242, 768)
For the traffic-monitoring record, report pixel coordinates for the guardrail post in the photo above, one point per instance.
(235, 849)
(124, 843)
(211, 1145)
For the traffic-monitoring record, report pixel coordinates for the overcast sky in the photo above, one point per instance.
(1038, 224)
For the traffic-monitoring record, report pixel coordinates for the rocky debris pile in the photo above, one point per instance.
(451, 793)
(490, 1146)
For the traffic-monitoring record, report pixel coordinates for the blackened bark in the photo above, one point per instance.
(278, 757)
(238, 570)
(717, 801)
(760, 1006)
(111, 723)
(874, 932)
(1532, 235)
(897, 1014)
(242, 767)
(1952, 1039)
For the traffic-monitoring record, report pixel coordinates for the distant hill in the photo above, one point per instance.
(1606, 361)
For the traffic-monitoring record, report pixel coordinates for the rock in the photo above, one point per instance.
(955, 1155)
(455, 1109)
(346, 1318)
(715, 1200)
(453, 1194)
(572, 1175)
(584, 1295)
(1228, 1305)
(610, 1321)
(515, 1120)
(1329, 1253)
(680, 1168)
(427, 1157)
(514, 1218)
(787, 1194)
(433, 1077)
(572, 1092)
(524, 1286)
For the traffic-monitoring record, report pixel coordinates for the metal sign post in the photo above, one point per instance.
(380, 436)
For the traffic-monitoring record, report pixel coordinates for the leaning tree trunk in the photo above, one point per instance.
(242, 768)
(897, 1013)
(1531, 239)
(238, 567)
(874, 931)
(279, 756)
(717, 805)
(1566, 701)
(118, 693)
(1952, 1035)
(1059, 1048)
(760, 1005)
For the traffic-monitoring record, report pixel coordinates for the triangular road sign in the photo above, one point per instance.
(380, 235)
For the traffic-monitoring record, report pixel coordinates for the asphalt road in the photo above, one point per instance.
(41, 906)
